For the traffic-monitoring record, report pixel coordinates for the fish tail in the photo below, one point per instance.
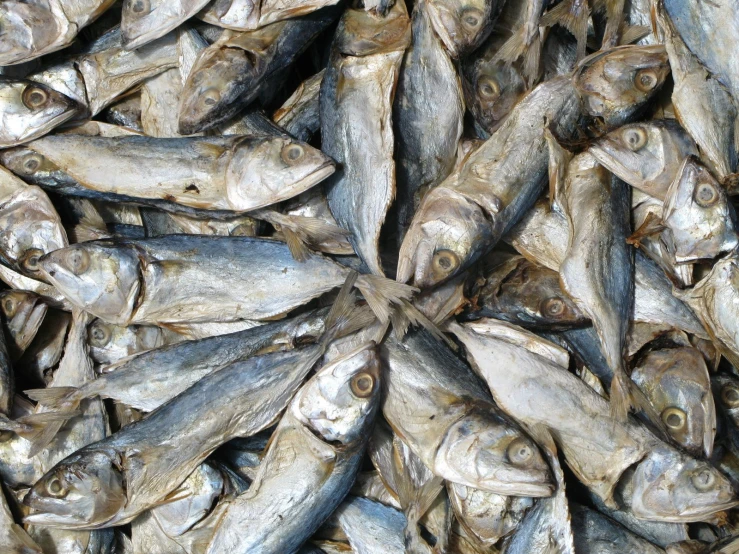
(345, 317)
(572, 15)
(301, 232)
(531, 60)
(614, 16)
(621, 399)
(383, 294)
(57, 398)
(632, 33)
(407, 314)
(36, 427)
(513, 48)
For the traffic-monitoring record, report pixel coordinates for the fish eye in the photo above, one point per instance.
(646, 79)
(730, 396)
(242, 230)
(140, 6)
(34, 97)
(520, 452)
(706, 194)
(31, 258)
(471, 18)
(362, 385)
(99, 334)
(56, 488)
(211, 96)
(9, 306)
(634, 138)
(553, 307)
(31, 163)
(444, 262)
(78, 261)
(703, 480)
(488, 88)
(292, 153)
(674, 418)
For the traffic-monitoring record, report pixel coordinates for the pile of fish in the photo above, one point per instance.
(371, 276)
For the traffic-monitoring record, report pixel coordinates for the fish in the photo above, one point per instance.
(597, 448)
(30, 110)
(319, 441)
(527, 294)
(698, 218)
(23, 312)
(427, 116)
(111, 343)
(594, 532)
(462, 25)
(31, 225)
(13, 538)
(371, 527)
(597, 270)
(232, 72)
(677, 383)
(208, 174)
(300, 114)
(356, 101)
(525, 41)
(246, 15)
(572, 15)
(453, 427)
(135, 270)
(143, 21)
(647, 155)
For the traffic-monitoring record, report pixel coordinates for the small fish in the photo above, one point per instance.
(463, 24)
(143, 21)
(29, 110)
(246, 15)
(23, 312)
(110, 343)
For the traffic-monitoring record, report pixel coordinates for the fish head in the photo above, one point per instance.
(461, 26)
(530, 295)
(25, 28)
(212, 87)
(492, 91)
(726, 392)
(670, 486)
(23, 312)
(109, 343)
(448, 233)
(616, 83)
(697, 215)
(340, 401)
(646, 155)
(100, 277)
(266, 170)
(31, 109)
(84, 490)
(490, 453)
(143, 20)
(29, 165)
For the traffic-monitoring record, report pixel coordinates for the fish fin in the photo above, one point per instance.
(632, 33)
(731, 183)
(418, 319)
(573, 15)
(543, 437)
(345, 317)
(531, 60)
(614, 16)
(559, 158)
(381, 293)
(652, 225)
(295, 244)
(626, 396)
(45, 435)
(513, 48)
(300, 232)
(29, 546)
(57, 398)
(621, 401)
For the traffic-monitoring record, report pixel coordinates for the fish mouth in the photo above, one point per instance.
(54, 122)
(322, 172)
(692, 515)
(55, 520)
(541, 489)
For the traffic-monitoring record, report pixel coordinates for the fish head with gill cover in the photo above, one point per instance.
(27, 28)
(101, 277)
(265, 170)
(340, 401)
(143, 21)
(616, 83)
(83, 491)
(668, 485)
(463, 24)
(646, 155)
(29, 110)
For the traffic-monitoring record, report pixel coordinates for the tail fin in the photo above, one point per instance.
(559, 159)
(626, 396)
(30, 426)
(572, 15)
(381, 293)
(614, 16)
(57, 398)
(300, 232)
(513, 48)
(408, 315)
(632, 33)
(531, 60)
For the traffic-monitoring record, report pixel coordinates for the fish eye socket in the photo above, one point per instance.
(646, 80)
(34, 97)
(31, 163)
(140, 6)
(674, 418)
(56, 488)
(78, 261)
(471, 18)
(99, 334)
(242, 230)
(292, 153)
(730, 396)
(30, 260)
(9, 307)
(211, 96)
(444, 262)
(703, 480)
(488, 88)
(520, 452)
(362, 385)
(706, 194)
(634, 138)
(553, 307)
